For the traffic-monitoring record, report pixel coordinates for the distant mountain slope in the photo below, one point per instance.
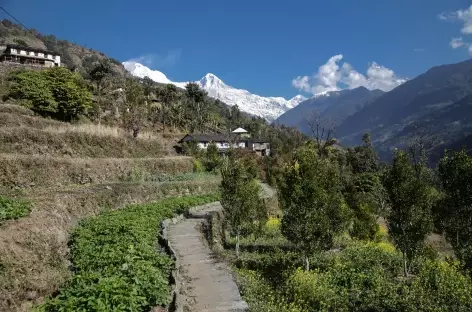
(72, 55)
(335, 105)
(434, 101)
(266, 107)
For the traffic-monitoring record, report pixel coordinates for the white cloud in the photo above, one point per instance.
(466, 17)
(331, 77)
(418, 50)
(159, 61)
(457, 42)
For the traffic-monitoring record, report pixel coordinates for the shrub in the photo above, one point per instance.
(116, 264)
(11, 209)
(440, 286)
(55, 92)
(272, 227)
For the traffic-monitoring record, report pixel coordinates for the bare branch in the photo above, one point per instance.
(322, 130)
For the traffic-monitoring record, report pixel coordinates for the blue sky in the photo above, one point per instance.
(262, 45)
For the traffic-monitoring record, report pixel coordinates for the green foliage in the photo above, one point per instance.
(212, 158)
(116, 264)
(314, 210)
(440, 287)
(364, 191)
(20, 42)
(135, 106)
(11, 209)
(55, 92)
(410, 218)
(240, 197)
(197, 166)
(454, 211)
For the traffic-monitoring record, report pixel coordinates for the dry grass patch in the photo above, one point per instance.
(46, 171)
(33, 250)
(11, 120)
(29, 141)
(15, 109)
(99, 130)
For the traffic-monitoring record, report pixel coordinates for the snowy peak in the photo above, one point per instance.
(267, 107)
(141, 71)
(297, 99)
(210, 80)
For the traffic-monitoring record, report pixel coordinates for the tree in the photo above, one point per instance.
(322, 130)
(313, 207)
(70, 92)
(410, 217)
(455, 209)
(212, 158)
(240, 198)
(169, 94)
(33, 88)
(55, 92)
(364, 190)
(135, 106)
(197, 109)
(97, 74)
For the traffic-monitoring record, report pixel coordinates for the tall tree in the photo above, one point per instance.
(169, 96)
(364, 190)
(240, 197)
(196, 97)
(455, 209)
(98, 74)
(135, 106)
(410, 217)
(313, 207)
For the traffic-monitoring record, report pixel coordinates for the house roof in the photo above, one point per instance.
(20, 47)
(216, 138)
(239, 130)
(205, 137)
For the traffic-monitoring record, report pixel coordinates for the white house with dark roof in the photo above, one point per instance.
(238, 138)
(29, 56)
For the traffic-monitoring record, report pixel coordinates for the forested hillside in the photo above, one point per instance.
(433, 105)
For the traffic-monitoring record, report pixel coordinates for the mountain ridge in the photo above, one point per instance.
(334, 105)
(431, 102)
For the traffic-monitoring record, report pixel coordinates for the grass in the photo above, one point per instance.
(11, 209)
(98, 130)
(116, 264)
(29, 141)
(46, 171)
(15, 109)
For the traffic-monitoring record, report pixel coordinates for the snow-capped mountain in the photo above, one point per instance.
(267, 107)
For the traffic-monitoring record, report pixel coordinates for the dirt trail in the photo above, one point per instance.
(206, 283)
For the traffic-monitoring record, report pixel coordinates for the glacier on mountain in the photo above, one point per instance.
(267, 107)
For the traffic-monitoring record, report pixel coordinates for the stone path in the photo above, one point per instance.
(206, 284)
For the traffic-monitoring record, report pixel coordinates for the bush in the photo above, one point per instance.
(272, 227)
(116, 264)
(11, 209)
(440, 286)
(55, 92)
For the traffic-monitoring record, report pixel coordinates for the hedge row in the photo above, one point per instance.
(117, 266)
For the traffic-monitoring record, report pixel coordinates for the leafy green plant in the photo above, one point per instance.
(11, 209)
(116, 264)
(55, 92)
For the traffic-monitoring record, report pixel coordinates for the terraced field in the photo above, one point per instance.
(71, 172)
